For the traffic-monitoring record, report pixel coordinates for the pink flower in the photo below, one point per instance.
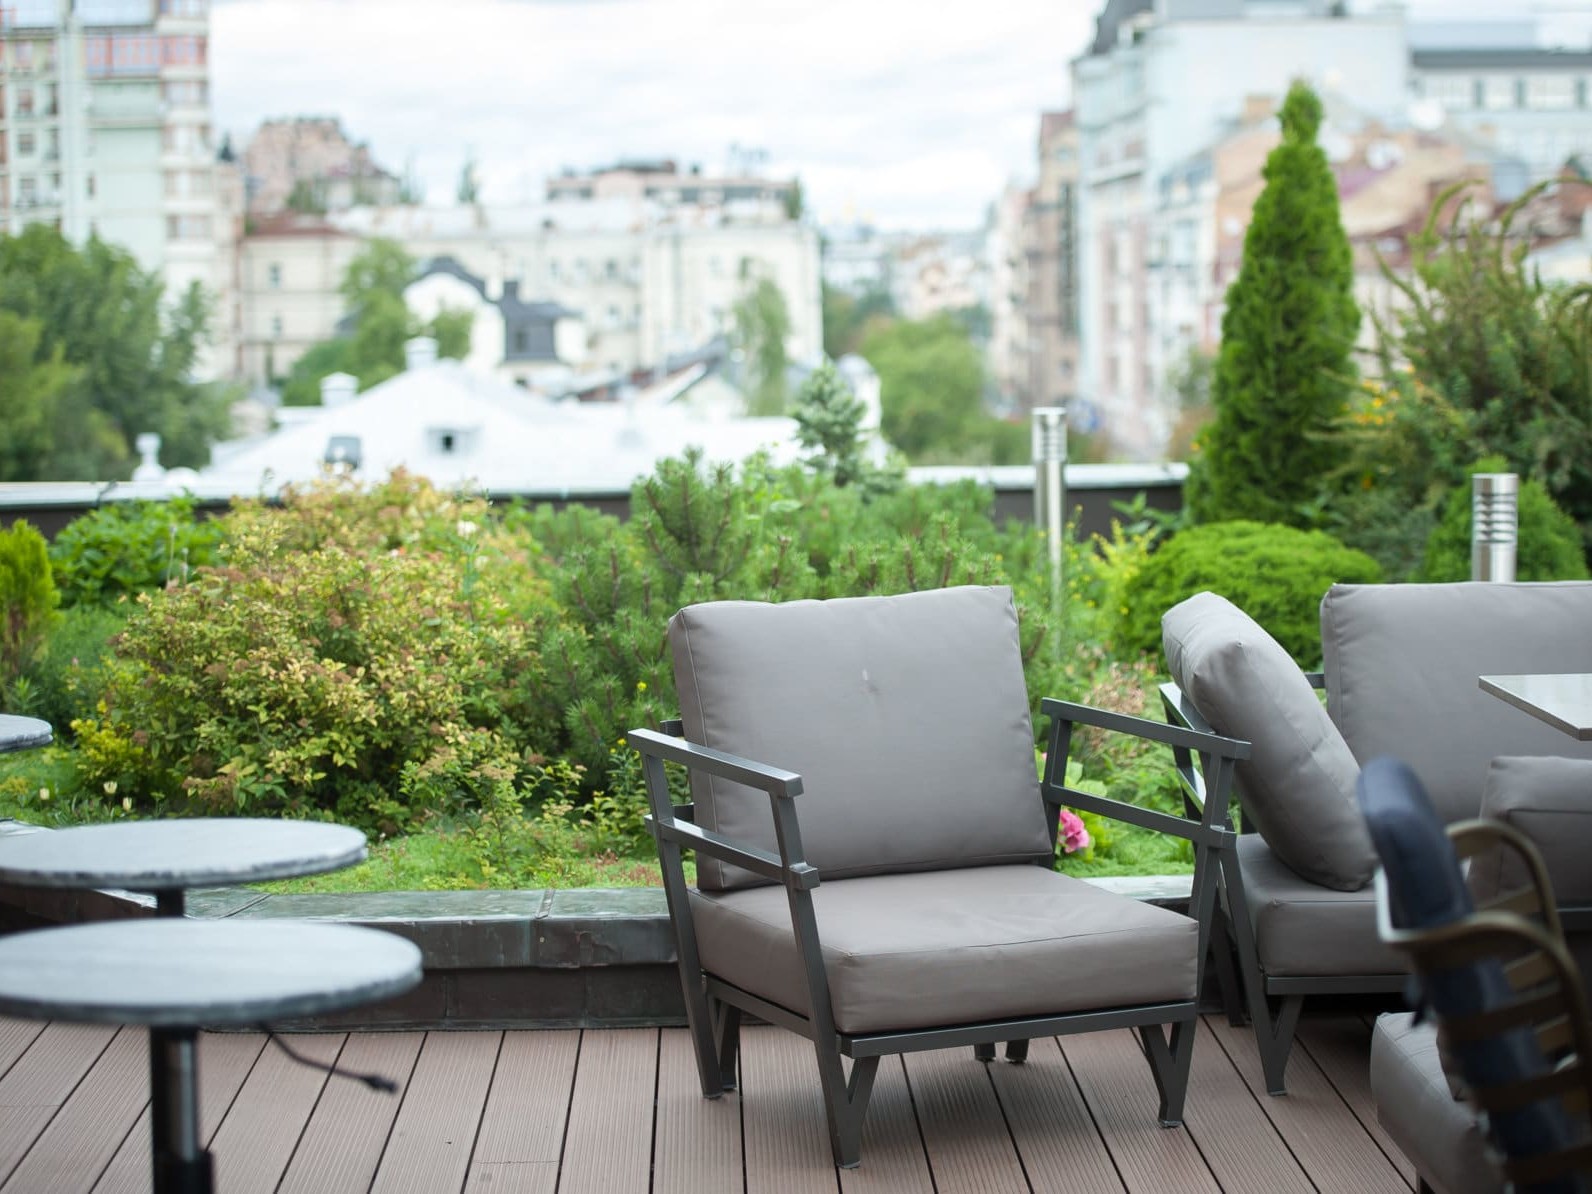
(1074, 836)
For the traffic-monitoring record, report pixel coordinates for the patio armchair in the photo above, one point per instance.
(874, 850)
(1512, 1030)
(1297, 912)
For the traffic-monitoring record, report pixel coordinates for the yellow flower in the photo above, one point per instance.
(44, 793)
(127, 804)
(110, 787)
(641, 686)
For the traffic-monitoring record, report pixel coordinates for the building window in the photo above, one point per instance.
(522, 341)
(25, 145)
(274, 276)
(183, 8)
(1497, 93)
(27, 191)
(24, 101)
(1454, 93)
(276, 327)
(88, 186)
(184, 91)
(188, 227)
(1548, 92)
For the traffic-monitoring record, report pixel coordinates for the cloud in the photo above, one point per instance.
(915, 114)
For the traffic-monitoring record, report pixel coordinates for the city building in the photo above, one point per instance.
(661, 181)
(1009, 264)
(105, 130)
(648, 282)
(1496, 81)
(1159, 78)
(1052, 265)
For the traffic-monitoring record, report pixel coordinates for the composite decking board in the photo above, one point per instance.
(513, 1177)
(782, 1110)
(225, 1060)
(44, 1077)
(1341, 1045)
(697, 1141)
(893, 1160)
(1239, 1143)
(15, 1037)
(608, 1142)
(1051, 1124)
(524, 1120)
(1313, 1120)
(1119, 1088)
(342, 1143)
(82, 1138)
(261, 1129)
(435, 1130)
(964, 1129)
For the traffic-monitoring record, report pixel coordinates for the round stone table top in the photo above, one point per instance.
(23, 733)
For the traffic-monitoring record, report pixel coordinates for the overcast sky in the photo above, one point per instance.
(908, 113)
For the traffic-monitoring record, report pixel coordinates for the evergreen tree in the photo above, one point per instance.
(829, 424)
(1284, 370)
(762, 321)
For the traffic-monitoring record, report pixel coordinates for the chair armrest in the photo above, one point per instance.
(1216, 755)
(788, 868)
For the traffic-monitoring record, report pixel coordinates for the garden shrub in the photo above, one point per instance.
(68, 677)
(306, 681)
(1548, 545)
(1276, 574)
(126, 548)
(28, 600)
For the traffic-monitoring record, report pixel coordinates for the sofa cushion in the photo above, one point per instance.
(1441, 1135)
(952, 947)
(1298, 783)
(906, 717)
(1305, 930)
(1402, 663)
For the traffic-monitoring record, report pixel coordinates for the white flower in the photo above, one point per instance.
(466, 528)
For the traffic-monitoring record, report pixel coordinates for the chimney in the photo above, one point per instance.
(338, 388)
(420, 353)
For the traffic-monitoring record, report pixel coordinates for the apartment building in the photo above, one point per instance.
(1052, 269)
(644, 280)
(105, 130)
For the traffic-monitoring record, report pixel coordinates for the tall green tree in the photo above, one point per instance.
(829, 425)
(373, 287)
(849, 318)
(33, 394)
(931, 379)
(132, 351)
(762, 322)
(1285, 366)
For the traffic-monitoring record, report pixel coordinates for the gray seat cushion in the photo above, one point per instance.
(1305, 930)
(1298, 783)
(1438, 1133)
(1401, 664)
(906, 717)
(953, 947)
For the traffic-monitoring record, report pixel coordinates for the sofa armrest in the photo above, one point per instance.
(1549, 800)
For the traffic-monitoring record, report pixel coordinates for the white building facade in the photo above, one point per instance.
(105, 129)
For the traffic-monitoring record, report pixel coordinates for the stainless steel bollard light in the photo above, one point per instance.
(1050, 487)
(1494, 519)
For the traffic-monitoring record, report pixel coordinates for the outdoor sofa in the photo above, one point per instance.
(1400, 672)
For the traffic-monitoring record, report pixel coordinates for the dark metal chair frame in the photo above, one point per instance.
(1525, 930)
(714, 1007)
(1271, 1003)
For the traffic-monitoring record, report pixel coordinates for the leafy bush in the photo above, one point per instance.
(308, 681)
(1479, 324)
(1276, 574)
(127, 548)
(67, 679)
(1548, 545)
(28, 600)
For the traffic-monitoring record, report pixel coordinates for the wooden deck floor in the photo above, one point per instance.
(618, 1111)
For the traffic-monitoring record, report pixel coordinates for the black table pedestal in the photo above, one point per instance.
(181, 1163)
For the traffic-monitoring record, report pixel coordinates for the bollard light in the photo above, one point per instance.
(1050, 487)
(1494, 521)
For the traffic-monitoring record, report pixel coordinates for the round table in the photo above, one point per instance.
(23, 733)
(178, 975)
(167, 857)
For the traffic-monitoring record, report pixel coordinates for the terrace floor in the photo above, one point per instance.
(618, 1110)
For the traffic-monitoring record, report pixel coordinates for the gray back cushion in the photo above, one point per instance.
(906, 717)
(1401, 664)
(1297, 786)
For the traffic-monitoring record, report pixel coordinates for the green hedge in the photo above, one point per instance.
(1276, 574)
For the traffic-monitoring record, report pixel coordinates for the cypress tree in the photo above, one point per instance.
(1285, 366)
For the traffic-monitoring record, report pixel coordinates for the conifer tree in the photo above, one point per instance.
(829, 425)
(1285, 367)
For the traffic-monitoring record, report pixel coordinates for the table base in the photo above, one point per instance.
(181, 1165)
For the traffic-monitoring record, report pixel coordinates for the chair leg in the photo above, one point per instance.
(1170, 1062)
(1275, 1037)
(984, 1051)
(1274, 1032)
(727, 1041)
(1017, 1051)
(845, 1101)
(1227, 982)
